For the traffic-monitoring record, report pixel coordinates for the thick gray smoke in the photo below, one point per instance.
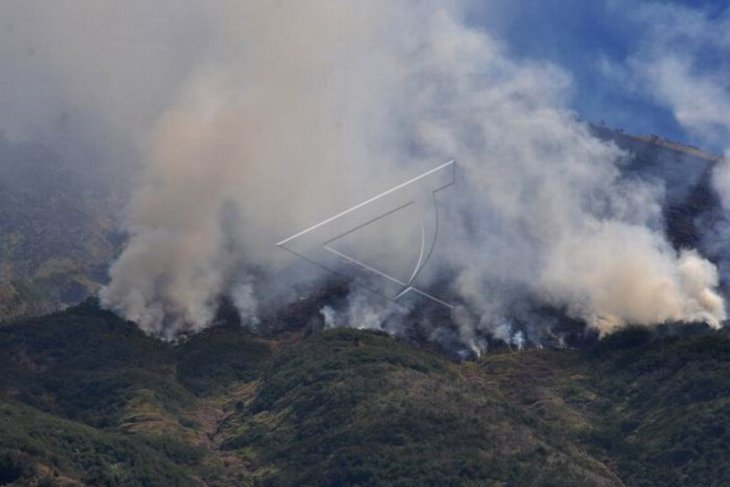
(285, 113)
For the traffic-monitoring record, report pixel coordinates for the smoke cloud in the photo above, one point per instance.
(304, 104)
(683, 64)
(255, 120)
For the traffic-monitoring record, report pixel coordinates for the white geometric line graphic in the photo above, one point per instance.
(313, 243)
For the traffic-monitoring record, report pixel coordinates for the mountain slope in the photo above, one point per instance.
(56, 230)
(86, 396)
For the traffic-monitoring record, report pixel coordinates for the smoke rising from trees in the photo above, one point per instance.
(254, 120)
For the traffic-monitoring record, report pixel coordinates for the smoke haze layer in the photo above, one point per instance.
(272, 116)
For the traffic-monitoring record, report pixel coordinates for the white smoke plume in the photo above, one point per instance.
(244, 299)
(684, 63)
(285, 113)
(304, 104)
(328, 315)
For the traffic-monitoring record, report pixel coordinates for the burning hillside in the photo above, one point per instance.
(546, 213)
(282, 115)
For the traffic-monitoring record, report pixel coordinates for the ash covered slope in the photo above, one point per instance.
(88, 399)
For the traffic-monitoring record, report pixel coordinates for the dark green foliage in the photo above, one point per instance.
(177, 450)
(219, 357)
(664, 413)
(30, 440)
(84, 364)
(14, 466)
(358, 408)
(86, 397)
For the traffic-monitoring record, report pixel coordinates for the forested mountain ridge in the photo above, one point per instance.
(87, 399)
